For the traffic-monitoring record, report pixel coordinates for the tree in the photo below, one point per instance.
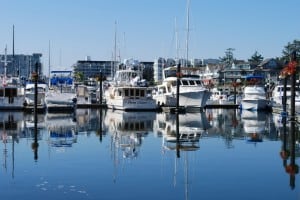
(289, 48)
(228, 59)
(78, 76)
(255, 59)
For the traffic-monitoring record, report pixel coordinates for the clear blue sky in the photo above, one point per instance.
(146, 28)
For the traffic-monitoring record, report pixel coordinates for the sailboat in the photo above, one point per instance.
(12, 95)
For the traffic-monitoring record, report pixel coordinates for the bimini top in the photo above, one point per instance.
(60, 71)
(251, 77)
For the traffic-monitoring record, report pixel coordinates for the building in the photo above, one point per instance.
(92, 69)
(21, 65)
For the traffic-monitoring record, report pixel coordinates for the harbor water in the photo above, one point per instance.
(104, 154)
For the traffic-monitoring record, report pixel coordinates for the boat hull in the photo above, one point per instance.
(131, 104)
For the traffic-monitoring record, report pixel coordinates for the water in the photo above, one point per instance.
(220, 154)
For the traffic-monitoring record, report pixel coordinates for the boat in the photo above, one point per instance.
(61, 95)
(277, 95)
(30, 92)
(128, 91)
(12, 93)
(192, 93)
(254, 97)
(86, 92)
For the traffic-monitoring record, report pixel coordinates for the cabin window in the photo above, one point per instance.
(1, 93)
(10, 92)
(184, 82)
(174, 83)
(126, 92)
(132, 92)
(119, 92)
(137, 92)
(142, 93)
(198, 82)
(192, 83)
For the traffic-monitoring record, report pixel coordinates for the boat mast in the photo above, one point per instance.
(13, 53)
(176, 37)
(115, 50)
(187, 31)
(49, 63)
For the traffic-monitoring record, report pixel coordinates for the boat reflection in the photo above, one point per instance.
(191, 126)
(254, 125)
(127, 130)
(11, 125)
(61, 129)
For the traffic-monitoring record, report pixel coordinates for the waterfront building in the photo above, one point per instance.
(92, 68)
(21, 65)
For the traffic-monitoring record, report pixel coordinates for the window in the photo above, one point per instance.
(184, 82)
(126, 92)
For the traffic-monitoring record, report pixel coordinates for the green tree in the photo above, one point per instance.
(228, 59)
(289, 48)
(78, 76)
(255, 59)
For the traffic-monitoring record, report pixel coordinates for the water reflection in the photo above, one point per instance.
(135, 138)
(127, 129)
(183, 130)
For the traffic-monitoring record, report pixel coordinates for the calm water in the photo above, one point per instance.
(219, 154)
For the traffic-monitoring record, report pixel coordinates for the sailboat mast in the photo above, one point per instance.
(176, 37)
(49, 66)
(187, 30)
(13, 56)
(115, 49)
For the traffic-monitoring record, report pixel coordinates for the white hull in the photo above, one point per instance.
(198, 98)
(15, 103)
(131, 104)
(57, 100)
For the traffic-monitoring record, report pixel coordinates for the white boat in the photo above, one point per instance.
(255, 96)
(86, 92)
(30, 92)
(12, 94)
(192, 93)
(61, 94)
(277, 95)
(129, 92)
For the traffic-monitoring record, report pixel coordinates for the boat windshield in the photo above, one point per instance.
(170, 73)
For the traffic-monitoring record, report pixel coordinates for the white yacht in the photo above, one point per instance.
(61, 94)
(128, 91)
(30, 92)
(255, 97)
(192, 93)
(278, 91)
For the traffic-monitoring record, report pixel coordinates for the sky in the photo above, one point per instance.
(146, 29)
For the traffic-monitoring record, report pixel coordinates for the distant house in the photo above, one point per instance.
(269, 63)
